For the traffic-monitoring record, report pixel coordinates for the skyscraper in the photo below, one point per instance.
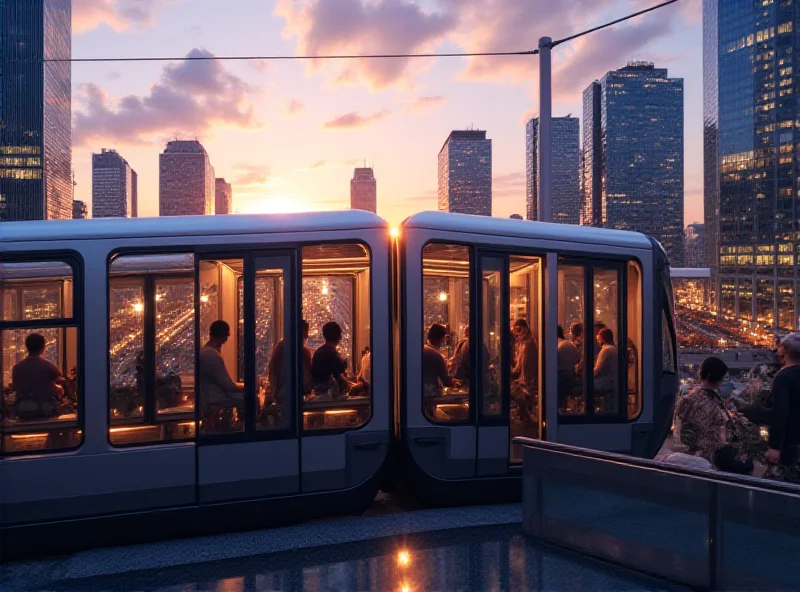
(186, 184)
(114, 186)
(633, 156)
(79, 210)
(565, 169)
(465, 173)
(752, 210)
(363, 190)
(223, 197)
(694, 249)
(35, 110)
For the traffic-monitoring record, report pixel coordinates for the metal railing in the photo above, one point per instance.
(700, 528)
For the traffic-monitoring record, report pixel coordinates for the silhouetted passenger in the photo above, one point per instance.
(217, 388)
(576, 336)
(327, 366)
(458, 366)
(37, 381)
(607, 364)
(275, 367)
(784, 433)
(526, 365)
(434, 367)
(568, 360)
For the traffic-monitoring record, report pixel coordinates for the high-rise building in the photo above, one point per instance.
(79, 210)
(114, 186)
(223, 197)
(752, 211)
(35, 110)
(515, 217)
(186, 184)
(465, 173)
(565, 169)
(633, 154)
(694, 246)
(364, 190)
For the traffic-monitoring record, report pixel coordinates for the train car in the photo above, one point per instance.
(511, 328)
(174, 376)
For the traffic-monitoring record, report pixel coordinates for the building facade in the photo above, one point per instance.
(35, 110)
(364, 190)
(223, 197)
(565, 169)
(751, 81)
(633, 156)
(186, 182)
(79, 210)
(114, 186)
(694, 246)
(465, 173)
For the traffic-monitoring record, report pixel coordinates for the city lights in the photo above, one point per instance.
(443, 297)
(138, 307)
(404, 558)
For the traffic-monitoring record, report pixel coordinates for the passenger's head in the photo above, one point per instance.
(576, 330)
(790, 348)
(605, 336)
(713, 371)
(520, 328)
(332, 332)
(218, 332)
(560, 332)
(436, 334)
(304, 328)
(35, 344)
(598, 326)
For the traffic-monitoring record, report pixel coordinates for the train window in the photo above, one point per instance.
(446, 366)
(492, 355)
(336, 360)
(634, 345)
(39, 335)
(151, 348)
(220, 385)
(606, 333)
(571, 366)
(524, 299)
(273, 366)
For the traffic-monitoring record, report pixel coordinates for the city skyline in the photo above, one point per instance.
(114, 186)
(364, 190)
(223, 197)
(465, 173)
(186, 185)
(565, 169)
(396, 113)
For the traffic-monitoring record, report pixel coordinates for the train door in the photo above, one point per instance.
(246, 375)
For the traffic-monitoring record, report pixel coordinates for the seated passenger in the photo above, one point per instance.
(365, 374)
(576, 332)
(327, 366)
(217, 388)
(458, 365)
(526, 366)
(434, 367)
(275, 366)
(37, 381)
(568, 361)
(607, 364)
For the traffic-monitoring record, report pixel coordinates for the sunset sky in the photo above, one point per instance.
(288, 134)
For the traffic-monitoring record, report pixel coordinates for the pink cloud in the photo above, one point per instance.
(295, 107)
(190, 98)
(355, 119)
(426, 103)
(357, 27)
(117, 14)
(250, 174)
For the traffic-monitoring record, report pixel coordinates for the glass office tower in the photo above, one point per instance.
(35, 110)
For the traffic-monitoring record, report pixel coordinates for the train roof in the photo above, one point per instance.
(102, 228)
(527, 229)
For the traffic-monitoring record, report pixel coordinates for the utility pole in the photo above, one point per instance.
(545, 205)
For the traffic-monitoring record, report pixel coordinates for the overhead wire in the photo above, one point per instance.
(375, 56)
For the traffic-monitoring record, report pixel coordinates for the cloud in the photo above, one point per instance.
(190, 99)
(295, 107)
(358, 27)
(426, 103)
(250, 174)
(355, 119)
(326, 164)
(120, 15)
(509, 184)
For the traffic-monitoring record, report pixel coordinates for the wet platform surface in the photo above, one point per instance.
(479, 548)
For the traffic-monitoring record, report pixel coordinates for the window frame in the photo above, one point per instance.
(589, 264)
(75, 260)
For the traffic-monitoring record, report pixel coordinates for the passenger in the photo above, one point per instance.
(217, 389)
(327, 366)
(606, 368)
(275, 366)
(458, 366)
(434, 367)
(38, 382)
(784, 433)
(576, 336)
(365, 373)
(568, 360)
(526, 367)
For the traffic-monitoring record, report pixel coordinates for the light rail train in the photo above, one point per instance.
(452, 336)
